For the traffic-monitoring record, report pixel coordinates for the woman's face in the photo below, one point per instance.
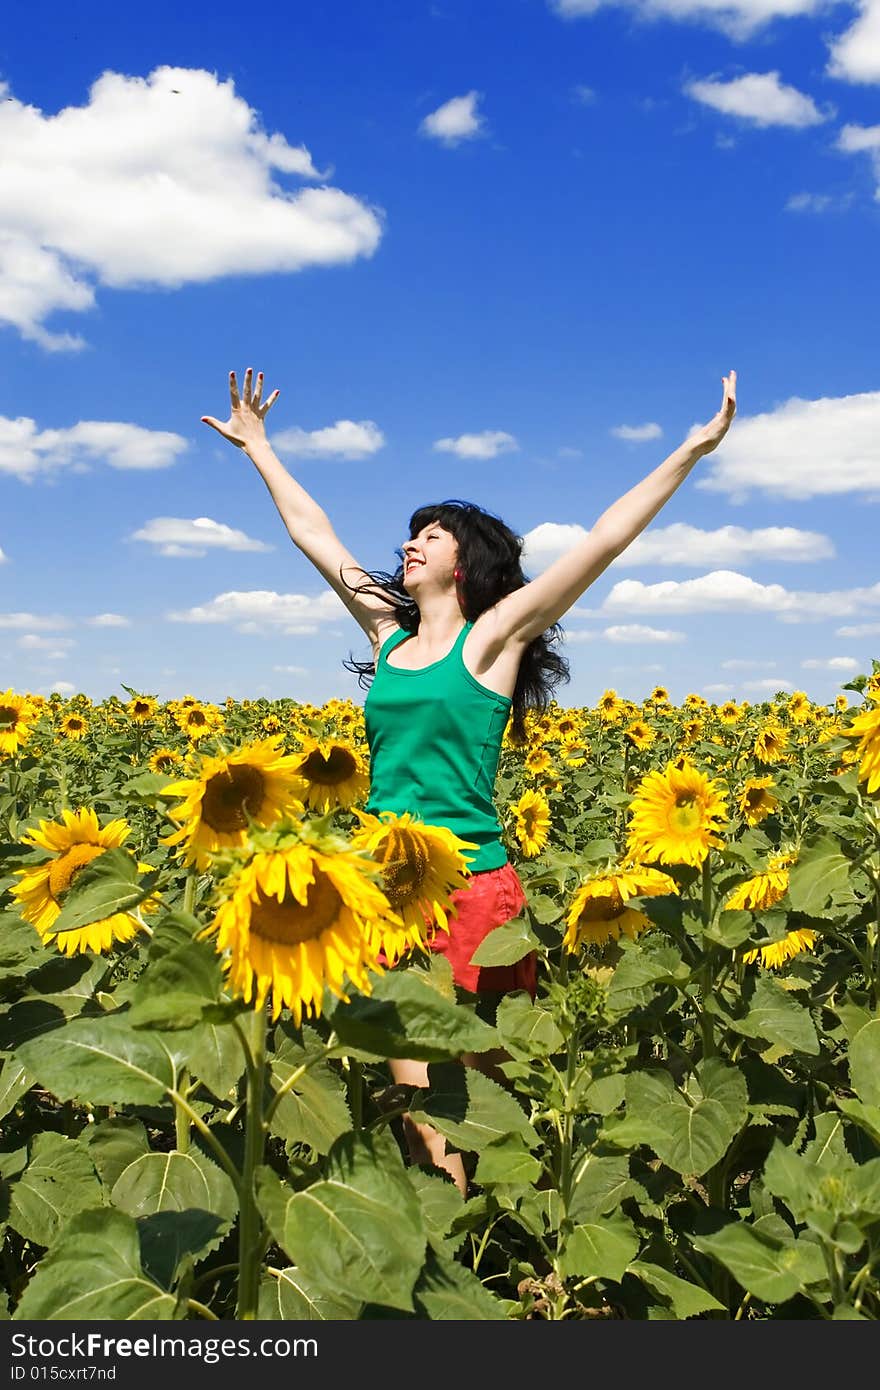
(430, 556)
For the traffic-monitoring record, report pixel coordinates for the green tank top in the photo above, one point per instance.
(435, 740)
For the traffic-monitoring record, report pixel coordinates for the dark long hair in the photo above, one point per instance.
(489, 554)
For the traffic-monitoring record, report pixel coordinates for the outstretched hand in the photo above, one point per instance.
(247, 412)
(708, 437)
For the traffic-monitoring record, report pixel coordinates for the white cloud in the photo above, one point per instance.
(25, 620)
(739, 19)
(684, 545)
(637, 433)
(349, 439)
(583, 95)
(858, 630)
(801, 449)
(62, 688)
(4, 559)
(456, 120)
(759, 97)
(635, 632)
(176, 536)
(262, 610)
(855, 54)
(681, 544)
(741, 664)
(292, 670)
(161, 180)
(717, 688)
(108, 620)
(48, 646)
(726, 591)
(27, 451)
(833, 663)
(580, 636)
(808, 202)
(768, 685)
(486, 445)
(857, 139)
(566, 451)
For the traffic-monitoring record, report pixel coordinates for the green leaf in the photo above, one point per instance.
(689, 1130)
(59, 1181)
(315, 1111)
(602, 1186)
(288, 1296)
(358, 1230)
(641, 969)
(182, 980)
(820, 869)
(686, 1300)
(184, 1205)
(507, 944)
(113, 1144)
(101, 1060)
(447, 1292)
(507, 1160)
(775, 1015)
(440, 1202)
(111, 883)
(213, 1053)
(14, 1083)
(469, 1109)
(404, 1017)
(867, 1117)
(792, 1178)
(769, 1269)
(600, 1249)
(864, 1063)
(94, 1272)
(525, 1028)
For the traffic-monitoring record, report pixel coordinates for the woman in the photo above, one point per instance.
(459, 640)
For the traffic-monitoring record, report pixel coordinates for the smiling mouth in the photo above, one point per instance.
(413, 564)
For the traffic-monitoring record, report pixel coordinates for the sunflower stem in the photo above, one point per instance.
(250, 1230)
(705, 972)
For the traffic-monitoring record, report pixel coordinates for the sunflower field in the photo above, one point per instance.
(209, 951)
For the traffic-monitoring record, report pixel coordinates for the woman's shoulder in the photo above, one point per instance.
(381, 636)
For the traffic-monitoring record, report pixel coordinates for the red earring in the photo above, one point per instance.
(458, 575)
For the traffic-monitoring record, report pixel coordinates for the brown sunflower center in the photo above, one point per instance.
(602, 907)
(8, 716)
(163, 760)
(64, 869)
(756, 797)
(404, 866)
(289, 922)
(338, 767)
(141, 707)
(231, 796)
(686, 815)
(196, 719)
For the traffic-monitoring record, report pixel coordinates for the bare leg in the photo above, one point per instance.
(426, 1144)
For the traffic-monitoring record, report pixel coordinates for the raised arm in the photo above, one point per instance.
(529, 611)
(307, 523)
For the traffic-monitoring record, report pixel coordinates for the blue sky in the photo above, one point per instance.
(495, 249)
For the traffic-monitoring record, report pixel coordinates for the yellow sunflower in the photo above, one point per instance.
(141, 708)
(729, 712)
(199, 721)
(74, 727)
(163, 760)
(574, 751)
(610, 707)
(659, 695)
(15, 722)
(538, 760)
(296, 921)
(756, 801)
(675, 816)
(866, 728)
(334, 773)
(255, 782)
(770, 743)
(778, 952)
(763, 890)
(691, 730)
(532, 822)
(640, 734)
(599, 913)
(422, 866)
(799, 707)
(272, 724)
(73, 841)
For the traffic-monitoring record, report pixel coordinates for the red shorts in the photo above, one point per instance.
(491, 898)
